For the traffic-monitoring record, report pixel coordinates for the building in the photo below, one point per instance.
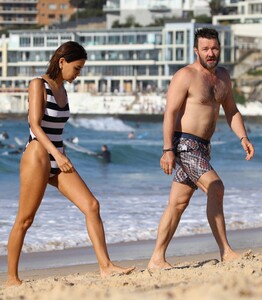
(17, 13)
(248, 11)
(52, 12)
(130, 61)
(145, 12)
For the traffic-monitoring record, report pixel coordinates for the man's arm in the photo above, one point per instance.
(236, 122)
(175, 98)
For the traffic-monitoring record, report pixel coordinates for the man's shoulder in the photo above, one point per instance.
(223, 73)
(188, 70)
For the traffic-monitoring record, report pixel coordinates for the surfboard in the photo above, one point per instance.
(78, 148)
(19, 141)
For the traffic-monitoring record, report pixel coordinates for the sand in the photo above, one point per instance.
(193, 277)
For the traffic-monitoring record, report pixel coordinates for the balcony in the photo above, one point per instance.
(111, 6)
(159, 6)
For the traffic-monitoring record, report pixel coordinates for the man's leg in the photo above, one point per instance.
(179, 197)
(212, 185)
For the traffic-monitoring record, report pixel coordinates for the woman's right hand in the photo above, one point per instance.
(64, 163)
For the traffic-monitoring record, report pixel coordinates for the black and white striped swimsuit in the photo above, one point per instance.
(53, 123)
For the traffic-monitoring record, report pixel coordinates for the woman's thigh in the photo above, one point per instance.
(72, 186)
(34, 173)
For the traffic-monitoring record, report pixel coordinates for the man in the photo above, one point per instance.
(105, 154)
(192, 109)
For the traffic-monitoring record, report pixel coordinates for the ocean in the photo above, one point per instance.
(132, 189)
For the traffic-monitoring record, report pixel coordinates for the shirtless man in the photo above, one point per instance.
(192, 109)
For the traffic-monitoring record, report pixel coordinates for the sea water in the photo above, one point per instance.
(132, 189)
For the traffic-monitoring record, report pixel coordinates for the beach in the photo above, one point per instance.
(196, 276)
(58, 261)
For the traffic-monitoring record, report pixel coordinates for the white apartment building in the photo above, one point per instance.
(18, 12)
(248, 11)
(145, 12)
(133, 60)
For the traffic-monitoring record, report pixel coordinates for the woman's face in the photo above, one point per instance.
(69, 71)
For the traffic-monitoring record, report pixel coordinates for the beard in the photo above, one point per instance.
(209, 65)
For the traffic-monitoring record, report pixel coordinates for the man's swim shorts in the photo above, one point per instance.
(192, 158)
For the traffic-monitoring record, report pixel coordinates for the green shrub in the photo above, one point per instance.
(239, 97)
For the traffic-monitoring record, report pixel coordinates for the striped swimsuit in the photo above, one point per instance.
(53, 123)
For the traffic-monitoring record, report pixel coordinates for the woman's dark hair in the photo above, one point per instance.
(207, 33)
(70, 51)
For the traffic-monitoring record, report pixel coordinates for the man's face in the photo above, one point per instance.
(208, 53)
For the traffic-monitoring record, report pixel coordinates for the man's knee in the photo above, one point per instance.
(181, 207)
(216, 189)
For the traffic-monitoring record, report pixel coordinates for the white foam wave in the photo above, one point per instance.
(101, 124)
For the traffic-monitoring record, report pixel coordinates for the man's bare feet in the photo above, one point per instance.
(13, 282)
(159, 265)
(229, 256)
(115, 270)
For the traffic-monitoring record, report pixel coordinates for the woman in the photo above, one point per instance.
(44, 160)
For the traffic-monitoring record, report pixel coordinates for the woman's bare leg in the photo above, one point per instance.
(34, 173)
(74, 188)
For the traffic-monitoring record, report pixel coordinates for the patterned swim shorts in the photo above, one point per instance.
(192, 158)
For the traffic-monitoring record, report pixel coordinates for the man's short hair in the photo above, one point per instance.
(207, 33)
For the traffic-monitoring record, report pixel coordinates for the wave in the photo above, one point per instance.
(101, 124)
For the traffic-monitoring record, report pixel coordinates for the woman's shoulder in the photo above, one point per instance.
(36, 83)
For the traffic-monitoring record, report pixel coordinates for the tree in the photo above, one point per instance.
(88, 4)
(87, 8)
(216, 7)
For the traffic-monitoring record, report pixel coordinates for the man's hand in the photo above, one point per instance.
(168, 162)
(248, 148)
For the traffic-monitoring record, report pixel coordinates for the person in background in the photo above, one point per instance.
(194, 97)
(44, 160)
(105, 154)
(131, 135)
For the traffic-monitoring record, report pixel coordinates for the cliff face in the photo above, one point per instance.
(249, 85)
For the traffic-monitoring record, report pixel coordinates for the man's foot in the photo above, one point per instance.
(13, 282)
(113, 270)
(230, 256)
(160, 265)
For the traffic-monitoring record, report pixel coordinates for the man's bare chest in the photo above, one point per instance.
(212, 93)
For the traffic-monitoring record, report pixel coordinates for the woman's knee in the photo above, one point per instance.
(24, 223)
(93, 208)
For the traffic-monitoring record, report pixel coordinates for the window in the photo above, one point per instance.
(169, 54)
(52, 41)
(141, 39)
(180, 37)
(179, 54)
(38, 41)
(169, 40)
(129, 39)
(24, 41)
(52, 6)
(114, 39)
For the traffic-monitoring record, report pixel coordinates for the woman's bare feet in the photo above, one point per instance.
(112, 270)
(13, 282)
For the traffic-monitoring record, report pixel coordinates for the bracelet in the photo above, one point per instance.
(168, 149)
(244, 137)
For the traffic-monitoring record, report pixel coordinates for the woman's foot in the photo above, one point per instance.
(13, 282)
(115, 270)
